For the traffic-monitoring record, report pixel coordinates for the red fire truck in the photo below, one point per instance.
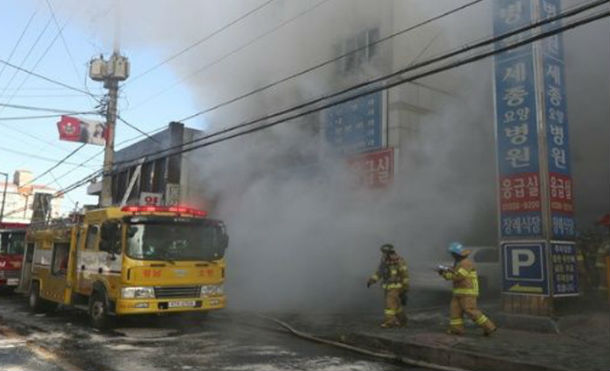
(12, 243)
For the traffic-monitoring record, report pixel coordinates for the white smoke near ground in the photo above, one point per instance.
(302, 235)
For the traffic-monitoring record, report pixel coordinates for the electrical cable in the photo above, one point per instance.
(42, 77)
(18, 118)
(227, 55)
(57, 164)
(27, 55)
(63, 39)
(45, 109)
(199, 42)
(42, 158)
(336, 59)
(523, 41)
(27, 26)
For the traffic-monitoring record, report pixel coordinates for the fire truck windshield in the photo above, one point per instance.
(176, 241)
(13, 243)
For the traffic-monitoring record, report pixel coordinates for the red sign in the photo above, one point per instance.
(561, 193)
(73, 129)
(374, 169)
(520, 193)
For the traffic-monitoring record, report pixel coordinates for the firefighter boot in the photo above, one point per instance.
(456, 326)
(488, 327)
(402, 319)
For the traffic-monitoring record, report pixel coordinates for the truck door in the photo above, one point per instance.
(57, 282)
(87, 260)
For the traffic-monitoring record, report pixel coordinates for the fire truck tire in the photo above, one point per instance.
(98, 310)
(38, 304)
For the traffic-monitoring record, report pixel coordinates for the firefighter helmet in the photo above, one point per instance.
(458, 249)
(387, 248)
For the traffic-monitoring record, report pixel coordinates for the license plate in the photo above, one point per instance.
(181, 304)
(12, 281)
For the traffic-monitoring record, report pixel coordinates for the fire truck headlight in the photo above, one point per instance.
(211, 290)
(137, 293)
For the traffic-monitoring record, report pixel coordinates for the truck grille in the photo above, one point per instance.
(170, 292)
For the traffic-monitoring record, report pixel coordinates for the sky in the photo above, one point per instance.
(23, 139)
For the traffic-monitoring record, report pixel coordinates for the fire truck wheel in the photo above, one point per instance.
(38, 304)
(98, 310)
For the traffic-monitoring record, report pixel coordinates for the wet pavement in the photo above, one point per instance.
(582, 340)
(222, 341)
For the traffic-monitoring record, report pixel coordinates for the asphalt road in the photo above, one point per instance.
(223, 341)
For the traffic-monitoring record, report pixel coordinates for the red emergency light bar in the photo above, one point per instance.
(164, 209)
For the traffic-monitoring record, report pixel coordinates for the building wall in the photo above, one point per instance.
(20, 198)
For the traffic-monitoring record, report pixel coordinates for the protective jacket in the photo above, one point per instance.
(464, 277)
(393, 274)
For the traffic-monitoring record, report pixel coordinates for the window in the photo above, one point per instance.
(92, 232)
(59, 265)
(361, 42)
(111, 237)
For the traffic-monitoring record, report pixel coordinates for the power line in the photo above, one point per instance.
(28, 23)
(335, 59)
(42, 158)
(199, 42)
(57, 164)
(48, 79)
(232, 52)
(27, 55)
(410, 68)
(32, 108)
(18, 118)
(63, 39)
(523, 41)
(137, 129)
(327, 62)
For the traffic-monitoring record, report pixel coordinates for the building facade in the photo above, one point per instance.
(20, 195)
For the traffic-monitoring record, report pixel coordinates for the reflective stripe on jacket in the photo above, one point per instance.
(464, 277)
(393, 274)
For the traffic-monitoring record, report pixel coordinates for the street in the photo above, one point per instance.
(222, 341)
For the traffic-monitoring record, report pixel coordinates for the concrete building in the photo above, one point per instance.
(158, 181)
(18, 205)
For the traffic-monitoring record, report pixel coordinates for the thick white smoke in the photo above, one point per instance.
(302, 236)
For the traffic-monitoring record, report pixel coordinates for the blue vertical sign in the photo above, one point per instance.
(558, 148)
(355, 126)
(565, 270)
(516, 127)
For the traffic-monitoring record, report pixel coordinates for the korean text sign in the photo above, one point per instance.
(516, 123)
(373, 169)
(356, 125)
(556, 117)
(565, 270)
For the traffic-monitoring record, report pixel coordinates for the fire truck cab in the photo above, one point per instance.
(12, 242)
(130, 260)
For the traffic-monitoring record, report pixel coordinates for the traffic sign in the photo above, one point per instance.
(525, 268)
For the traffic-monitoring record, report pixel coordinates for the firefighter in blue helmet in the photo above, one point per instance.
(392, 272)
(465, 292)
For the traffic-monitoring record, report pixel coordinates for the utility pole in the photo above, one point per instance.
(110, 72)
(3, 195)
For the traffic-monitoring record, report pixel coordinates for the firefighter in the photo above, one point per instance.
(394, 277)
(465, 292)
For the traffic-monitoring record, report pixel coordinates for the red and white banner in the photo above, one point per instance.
(374, 169)
(73, 129)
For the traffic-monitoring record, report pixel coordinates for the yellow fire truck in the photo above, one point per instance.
(130, 260)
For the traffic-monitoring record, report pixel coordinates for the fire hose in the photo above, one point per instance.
(387, 356)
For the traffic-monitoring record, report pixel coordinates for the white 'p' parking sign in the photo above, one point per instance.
(524, 268)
